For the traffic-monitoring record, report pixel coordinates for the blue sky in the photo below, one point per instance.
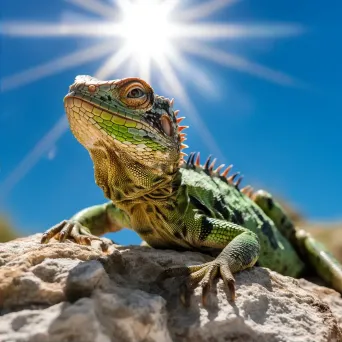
(285, 138)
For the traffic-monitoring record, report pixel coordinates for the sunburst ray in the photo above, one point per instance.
(112, 63)
(39, 29)
(204, 10)
(212, 31)
(202, 82)
(96, 7)
(31, 158)
(77, 58)
(241, 64)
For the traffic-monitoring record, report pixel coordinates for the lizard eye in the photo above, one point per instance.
(167, 125)
(136, 93)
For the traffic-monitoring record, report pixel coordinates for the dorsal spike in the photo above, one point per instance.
(238, 182)
(180, 119)
(190, 159)
(172, 102)
(226, 171)
(206, 164)
(197, 162)
(193, 159)
(232, 177)
(182, 137)
(180, 128)
(184, 146)
(211, 166)
(218, 170)
(182, 154)
(176, 112)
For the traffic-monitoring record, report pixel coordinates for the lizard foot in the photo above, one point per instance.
(204, 275)
(68, 229)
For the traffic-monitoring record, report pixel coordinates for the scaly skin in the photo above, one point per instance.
(135, 142)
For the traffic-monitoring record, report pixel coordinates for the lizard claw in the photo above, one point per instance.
(73, 230)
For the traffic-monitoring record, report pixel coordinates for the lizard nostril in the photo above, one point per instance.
(92, 88)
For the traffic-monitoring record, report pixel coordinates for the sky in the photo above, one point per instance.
(265, 96)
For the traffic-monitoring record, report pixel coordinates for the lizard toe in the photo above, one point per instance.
(86, 238)
(207, 282)
(72, 230)
(53, 231)
(228, 280)
(65, 232)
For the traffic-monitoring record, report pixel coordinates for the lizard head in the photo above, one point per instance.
(130, 132)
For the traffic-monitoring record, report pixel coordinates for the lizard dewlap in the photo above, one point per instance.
(135, 141)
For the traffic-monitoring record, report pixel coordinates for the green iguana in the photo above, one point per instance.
(135, 141)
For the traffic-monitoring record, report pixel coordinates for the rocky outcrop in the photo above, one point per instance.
(67, 292)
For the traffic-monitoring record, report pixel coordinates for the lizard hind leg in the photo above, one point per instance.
(275, 212)
(315, 254)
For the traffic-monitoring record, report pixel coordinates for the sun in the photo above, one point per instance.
(146, 28)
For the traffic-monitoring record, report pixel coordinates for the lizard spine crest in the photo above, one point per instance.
(235, 179)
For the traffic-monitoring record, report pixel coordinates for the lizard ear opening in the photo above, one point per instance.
(166, 125)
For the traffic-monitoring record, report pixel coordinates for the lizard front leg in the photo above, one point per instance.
(88, 225)
(240, 250)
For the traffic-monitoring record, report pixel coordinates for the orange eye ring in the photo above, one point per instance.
(135, 93)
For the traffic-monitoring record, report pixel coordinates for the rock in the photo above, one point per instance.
(67, 292)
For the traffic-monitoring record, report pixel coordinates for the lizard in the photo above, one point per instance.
(136, 141)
